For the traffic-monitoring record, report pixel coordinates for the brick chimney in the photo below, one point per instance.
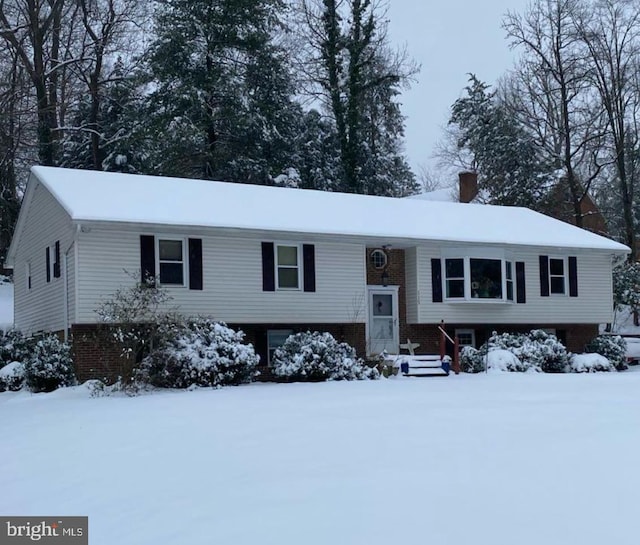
(468, 186)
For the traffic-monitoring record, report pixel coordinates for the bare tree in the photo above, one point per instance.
(611, 32)
(108, 26)
(550, 92)
(14, 109)
(33, 31)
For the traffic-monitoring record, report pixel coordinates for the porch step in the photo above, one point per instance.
(422, 366)
(426, 372)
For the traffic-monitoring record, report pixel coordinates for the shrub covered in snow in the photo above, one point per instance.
(612, 347)
(533, 351)
(536, 350)
(12, 377)
(49, 365)
(13, 347)
(590, 363)
(471, 360)
(319, 356)
(199, 352)
(499, 359)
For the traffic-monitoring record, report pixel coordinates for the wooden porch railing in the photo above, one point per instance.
(444, 337)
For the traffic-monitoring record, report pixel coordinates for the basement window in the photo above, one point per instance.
(275, 339)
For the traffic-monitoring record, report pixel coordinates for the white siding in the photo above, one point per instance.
(593, 304)
(42, 307)
(411, 280)
(232, 278)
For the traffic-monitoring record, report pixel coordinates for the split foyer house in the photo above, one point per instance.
(373, 271)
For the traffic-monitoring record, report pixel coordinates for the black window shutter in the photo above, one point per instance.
(309, 264)
(521, 291)
(195, 263)
(147, 257)
(56, 261)
(573, 276)
(544, 276)
(268, 266)
(436, 281)
(48, 263)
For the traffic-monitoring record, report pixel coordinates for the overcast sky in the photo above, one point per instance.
(449, 38)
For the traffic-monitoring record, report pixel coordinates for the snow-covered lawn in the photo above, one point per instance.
(485, 459)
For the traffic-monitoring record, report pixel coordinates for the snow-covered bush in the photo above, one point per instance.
(504, 360)
(13, 347)
(49, 365)
(536, 350)
(471, 360)
(589, 363)
(199, 352)
(319, 356)
(12, 377)
(612, 347)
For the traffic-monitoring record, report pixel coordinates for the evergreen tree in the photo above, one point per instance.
(511, 171)
(348, 62)
(318, 153)
(118, 123)
(222, 105)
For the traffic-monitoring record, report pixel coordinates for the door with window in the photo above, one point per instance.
(383, 320)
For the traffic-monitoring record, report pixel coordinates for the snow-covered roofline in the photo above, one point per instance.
(115, 197)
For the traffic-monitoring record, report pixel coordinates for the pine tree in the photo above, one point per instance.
(222, 105)
(119, 125)
(349, 64)
(506, 157)
(317, 155)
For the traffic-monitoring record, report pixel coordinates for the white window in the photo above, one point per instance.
(28, 275)
(378, 259)
(454, 278)
(171, 261)
(275, 339)
(466, 337)
(508, 266)
(287, 267)
(557, 276)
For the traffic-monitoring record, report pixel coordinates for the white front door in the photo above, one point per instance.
(383, 320)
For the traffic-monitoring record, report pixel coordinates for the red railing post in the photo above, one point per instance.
(456, 355)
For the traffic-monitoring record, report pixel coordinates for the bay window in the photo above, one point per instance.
(478, 278)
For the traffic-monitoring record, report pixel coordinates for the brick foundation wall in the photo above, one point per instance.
(95, 355)
(573, 336)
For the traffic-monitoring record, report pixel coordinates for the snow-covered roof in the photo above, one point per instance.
(115, 197)
(447, 194)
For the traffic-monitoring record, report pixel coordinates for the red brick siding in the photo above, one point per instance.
(95, 355)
